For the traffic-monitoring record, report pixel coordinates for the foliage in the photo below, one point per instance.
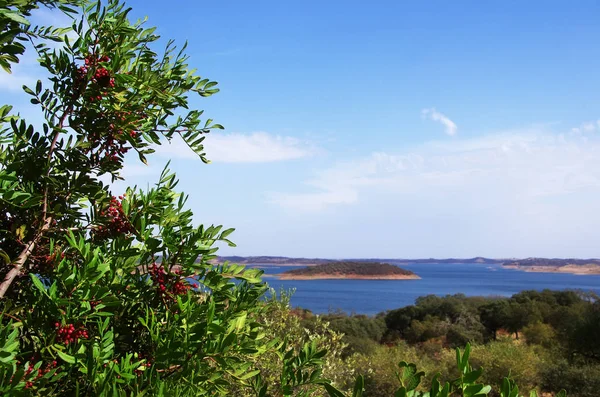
(361, 333)
(289, 334)
(116, 295)
(505, 357)
(14, 27)
(540, 334)
(466, 384)
(581, 380)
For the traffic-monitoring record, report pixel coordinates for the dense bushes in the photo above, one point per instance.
(570, 316)
(530, 336)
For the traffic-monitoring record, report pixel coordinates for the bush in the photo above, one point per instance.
(116, 295)
(582, 380)
(540, 334)
(506, 357)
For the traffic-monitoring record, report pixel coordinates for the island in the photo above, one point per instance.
(543, 265)
(350, 270)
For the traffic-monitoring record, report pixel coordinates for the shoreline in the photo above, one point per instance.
(579, 270)
(324, 276)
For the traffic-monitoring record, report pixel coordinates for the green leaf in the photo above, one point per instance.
(359, 387)
(14, 16)
(408, 375)
(38, 283)
(472, 376)
(65, 357)
(401, 392)
(332, 391)
(4, 256)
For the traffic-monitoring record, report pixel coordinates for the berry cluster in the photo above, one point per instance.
(171, 285)
(101, 78)
(40, 372)
(108, 142)
(116, 224)
(68, 334)
(114, 148)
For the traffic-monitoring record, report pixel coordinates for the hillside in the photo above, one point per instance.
(544, 265)
(350, 270)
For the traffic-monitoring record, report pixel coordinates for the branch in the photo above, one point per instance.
(47, 220)
(20, 262)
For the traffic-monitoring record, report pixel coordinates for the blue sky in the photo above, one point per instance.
(391, 129)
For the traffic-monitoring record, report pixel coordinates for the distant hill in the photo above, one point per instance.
(552, 265)
(281, 260)
(544, 265)
(554, 262)
(350, 270)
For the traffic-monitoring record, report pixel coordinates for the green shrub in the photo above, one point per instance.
(581, 380)
(540, 334)
(507, 357)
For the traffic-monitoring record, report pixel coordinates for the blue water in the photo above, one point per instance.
(374, 296)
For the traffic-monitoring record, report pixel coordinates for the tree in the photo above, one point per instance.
(400, 319)
(494, 316)
(520, 315)
(104, 294)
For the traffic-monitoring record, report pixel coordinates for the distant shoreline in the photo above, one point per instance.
(580, 270)
(532, 265)
(324, 276)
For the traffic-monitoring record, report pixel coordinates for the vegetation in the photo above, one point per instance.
(546, 340)
(552, 262)
(373, 269)
(105, 295)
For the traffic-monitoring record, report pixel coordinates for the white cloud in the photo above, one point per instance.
(514, 168)
(450, 126)
(15, 81)
(309, 202)
(257, 147)
(589, 126)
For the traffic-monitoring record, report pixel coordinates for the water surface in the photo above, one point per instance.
(374, 296)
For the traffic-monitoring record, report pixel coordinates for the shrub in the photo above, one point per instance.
(540, 334)
(506, 357)
(116, 295)
(582, 380)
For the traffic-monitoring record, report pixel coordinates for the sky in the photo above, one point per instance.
(389, 129)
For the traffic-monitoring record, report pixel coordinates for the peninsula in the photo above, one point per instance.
(542, 265)
(350, 270)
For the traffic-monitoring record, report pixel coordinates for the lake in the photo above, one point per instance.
(374, 296)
